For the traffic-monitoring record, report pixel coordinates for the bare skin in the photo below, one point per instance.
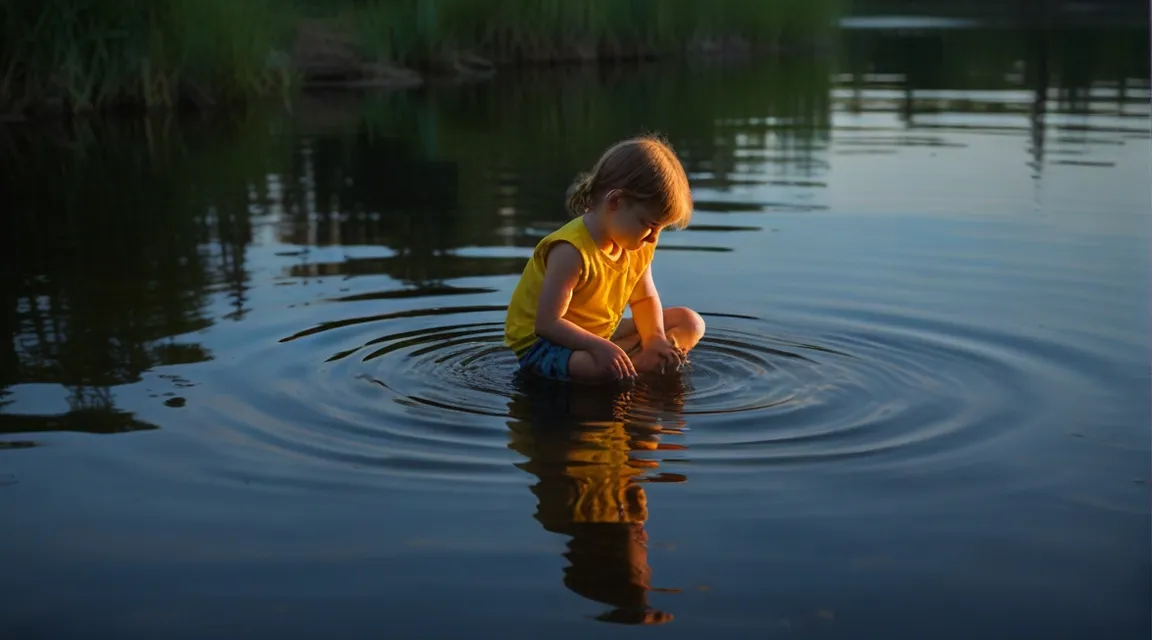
(682, 326)
(653, 340)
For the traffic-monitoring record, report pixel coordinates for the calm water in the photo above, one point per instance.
(252, 386)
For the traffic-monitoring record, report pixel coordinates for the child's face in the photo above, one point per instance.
(633, 225)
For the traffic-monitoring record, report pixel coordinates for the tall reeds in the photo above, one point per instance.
(81, 55)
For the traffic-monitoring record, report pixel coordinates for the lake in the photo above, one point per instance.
(252, 383)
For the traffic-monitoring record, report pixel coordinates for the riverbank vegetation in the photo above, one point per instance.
(79, 55)
(84, 55)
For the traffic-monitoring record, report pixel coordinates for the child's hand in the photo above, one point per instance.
(660, 355)
(612, 360)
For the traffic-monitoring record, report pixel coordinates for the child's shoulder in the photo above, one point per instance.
(573, 232)
(572, 227)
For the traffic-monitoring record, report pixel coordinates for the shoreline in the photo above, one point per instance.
(318, 74)
(324, 57)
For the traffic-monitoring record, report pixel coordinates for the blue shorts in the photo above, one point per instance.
(546, 359)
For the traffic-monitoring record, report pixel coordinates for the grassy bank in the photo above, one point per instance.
(83, 55)
(80, 55)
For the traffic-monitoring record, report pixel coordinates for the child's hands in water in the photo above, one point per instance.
(660, 355)
(611, 359)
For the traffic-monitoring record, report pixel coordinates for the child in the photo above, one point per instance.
(565, 320)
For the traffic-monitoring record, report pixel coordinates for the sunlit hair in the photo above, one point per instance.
(646, 170)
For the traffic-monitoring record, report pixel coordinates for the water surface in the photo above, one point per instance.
(253, 385)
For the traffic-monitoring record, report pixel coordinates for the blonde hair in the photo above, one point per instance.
(646, 170)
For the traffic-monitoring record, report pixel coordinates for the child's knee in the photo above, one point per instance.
(687, 321)
(696, 322)
(583, 368)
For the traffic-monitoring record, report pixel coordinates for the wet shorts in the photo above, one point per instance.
(546, 359)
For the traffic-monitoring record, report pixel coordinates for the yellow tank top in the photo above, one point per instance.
(600, 296)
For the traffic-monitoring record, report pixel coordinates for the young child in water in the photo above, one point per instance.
(566, 317)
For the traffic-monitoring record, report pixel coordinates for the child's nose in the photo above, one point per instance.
(651, 237)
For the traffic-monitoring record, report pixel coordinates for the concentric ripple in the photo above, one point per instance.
(433, 392)
(464, 367)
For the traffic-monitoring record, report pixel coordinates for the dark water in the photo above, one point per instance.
(252, 383)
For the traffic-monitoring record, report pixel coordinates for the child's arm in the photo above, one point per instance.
(647, 311)
(561, 274)
(648, 314)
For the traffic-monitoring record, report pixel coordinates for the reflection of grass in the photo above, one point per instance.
(708, 116)
(558, 29)
(514, 144)
(105, 236)
(511, 146)
(996, 58)
(102, 420)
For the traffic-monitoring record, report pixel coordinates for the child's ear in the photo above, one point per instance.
(612, 200)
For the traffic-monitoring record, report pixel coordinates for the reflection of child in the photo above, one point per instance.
(565, 320)
(581, 444)
(589, 490)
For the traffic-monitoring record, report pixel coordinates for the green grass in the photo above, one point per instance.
(83, 55)
(94, 54)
